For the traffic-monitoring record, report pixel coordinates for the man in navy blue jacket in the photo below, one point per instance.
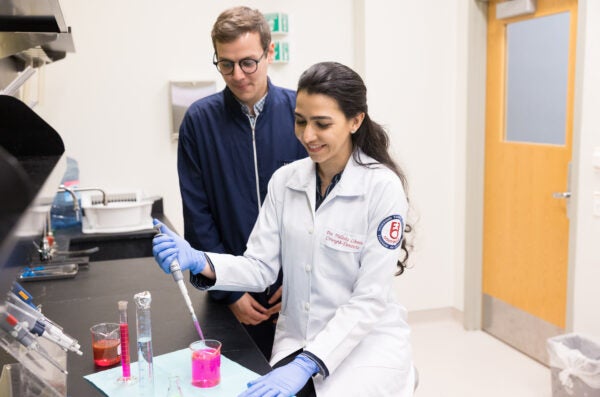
(230, 143)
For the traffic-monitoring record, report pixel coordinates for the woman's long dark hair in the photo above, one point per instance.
(346, 87)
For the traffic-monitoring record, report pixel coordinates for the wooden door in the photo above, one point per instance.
(527, 154)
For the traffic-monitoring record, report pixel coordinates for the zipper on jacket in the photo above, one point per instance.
(255, 162)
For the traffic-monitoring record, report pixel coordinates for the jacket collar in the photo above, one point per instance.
(234, 106)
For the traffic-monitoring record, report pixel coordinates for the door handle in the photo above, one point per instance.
(561, 195)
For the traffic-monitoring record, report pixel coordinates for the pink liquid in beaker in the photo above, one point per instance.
(206, 365)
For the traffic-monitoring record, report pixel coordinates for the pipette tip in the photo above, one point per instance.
(197, 325)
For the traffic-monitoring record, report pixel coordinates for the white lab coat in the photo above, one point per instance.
(338, 265)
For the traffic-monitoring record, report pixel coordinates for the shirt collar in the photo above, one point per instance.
(258, 106)
(320, 198)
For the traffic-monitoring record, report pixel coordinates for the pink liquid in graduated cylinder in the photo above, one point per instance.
(206, 364)
(124, 328)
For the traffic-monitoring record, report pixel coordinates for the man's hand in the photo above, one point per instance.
(248, 311)
(275, 308)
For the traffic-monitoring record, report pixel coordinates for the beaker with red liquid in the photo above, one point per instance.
(206, 363)
(106, 344)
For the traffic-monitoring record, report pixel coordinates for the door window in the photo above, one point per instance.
(536, 81)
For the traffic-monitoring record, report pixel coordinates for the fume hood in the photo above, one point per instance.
(34, 30)
(32, 33)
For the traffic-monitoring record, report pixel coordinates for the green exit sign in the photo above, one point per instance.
(278, 22)
(282, 52)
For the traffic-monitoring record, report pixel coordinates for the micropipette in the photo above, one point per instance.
(178, 277)
(19, 331)
(21, 306)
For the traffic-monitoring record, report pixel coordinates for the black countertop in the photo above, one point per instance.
(91, 297)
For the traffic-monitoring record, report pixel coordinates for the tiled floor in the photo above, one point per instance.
(453, 362)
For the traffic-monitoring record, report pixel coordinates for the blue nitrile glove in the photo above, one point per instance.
(284, 381)
(168, 246)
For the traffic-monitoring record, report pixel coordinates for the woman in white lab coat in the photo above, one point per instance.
(334, 222)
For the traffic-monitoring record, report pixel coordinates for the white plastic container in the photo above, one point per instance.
(124, 212)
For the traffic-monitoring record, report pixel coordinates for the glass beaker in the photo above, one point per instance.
(174, 389)
(106, 344)
(206, 363)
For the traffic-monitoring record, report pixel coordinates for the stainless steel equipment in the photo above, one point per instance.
(32, 33)
(34, 25)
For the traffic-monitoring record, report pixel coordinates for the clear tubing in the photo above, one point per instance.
(144, 343)
(124, 328)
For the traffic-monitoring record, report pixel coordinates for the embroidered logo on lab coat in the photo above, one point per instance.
(389, 231)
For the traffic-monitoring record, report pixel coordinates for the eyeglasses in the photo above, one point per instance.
(248, 65)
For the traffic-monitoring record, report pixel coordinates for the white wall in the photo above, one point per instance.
(411, 58)
(109, 101)
(585, 233)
